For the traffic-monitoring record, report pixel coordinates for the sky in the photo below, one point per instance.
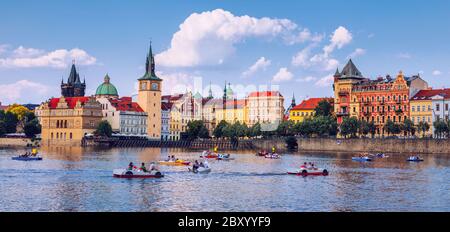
(290, 46)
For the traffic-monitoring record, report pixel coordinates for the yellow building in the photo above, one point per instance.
(421, 109)
(234, 111)
(149, 97)
(66, 121)
(305, 109)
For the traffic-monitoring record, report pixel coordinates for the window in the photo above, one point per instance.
(413, 108)
(446, 106)
(418, 108)
(437, 107)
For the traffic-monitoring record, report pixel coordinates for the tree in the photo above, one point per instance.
(291, 142)
(196, 129)
(372, 128)
(19, 110)
(408, 127)
(10, 121)
(423, 127)
(304, 128)
(104, 129)
(349, 126)
(2, 128)
(255, 130)
(285, 128)
(323, 108)
(392, 127)
(218, 131)
(440, 128)
(364, 127)
(324, 125)
(32, 128)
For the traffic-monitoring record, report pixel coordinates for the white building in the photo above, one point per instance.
(126, 117)
(265, 107)
(165, 121)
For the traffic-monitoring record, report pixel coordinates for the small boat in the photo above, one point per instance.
(262, 153)
(200, 170)
(174, 163)
(208, 155)
(224, 157)
(27, 158)
(309, 172)
(379, 155)
(272, 156)
(364, 158)
(136, 173)
(414, 159)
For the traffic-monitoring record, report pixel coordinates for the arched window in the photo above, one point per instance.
(57, 123)
(70, 135)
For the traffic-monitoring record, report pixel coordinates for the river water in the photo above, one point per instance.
(80, 179)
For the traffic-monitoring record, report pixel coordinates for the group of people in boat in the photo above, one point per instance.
(197, 165)
(29, 154)
(171, 159)
(143, 168)
(308, 165)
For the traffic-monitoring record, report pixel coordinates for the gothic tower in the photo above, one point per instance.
(73, 87)
(149, 97)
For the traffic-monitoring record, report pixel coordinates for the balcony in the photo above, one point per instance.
(399, 111)
(343, 93)
(340, 114)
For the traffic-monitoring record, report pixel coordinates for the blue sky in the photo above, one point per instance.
(298, 44)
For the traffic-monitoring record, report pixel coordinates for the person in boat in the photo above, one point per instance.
(172, 158)
(143, 168)
(273, 149)
(130, 166)
(304, 165)
(196, 165)
(312, 166)
(168, 158)
(205, 164)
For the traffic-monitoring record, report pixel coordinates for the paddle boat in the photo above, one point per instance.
(362, 158)
(136, 173)
(309, 172)
(200, 170)
(414, 159)
(272, 156)
(262, 153)
(208, 155)
(174, 163)
(224, 157)
(381, 155)
(27, 158)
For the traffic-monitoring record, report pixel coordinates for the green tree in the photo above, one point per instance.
(440, 128)
(324, 125)
(423, 127)
(285, 128)
(196, 129)
(32, 128)
(363, 128)
(104, 129)
(349, 126)
(392, 127)
(323, 108)
(408, 127)
(218, 131)
(255, 130)
(291, 142)
(10, 121)
(2, 128)
(372, 128)
(304, 128)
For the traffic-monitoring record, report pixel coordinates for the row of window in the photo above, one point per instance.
(61, 135)
(302, 113)
(383, 109)
(394, 98)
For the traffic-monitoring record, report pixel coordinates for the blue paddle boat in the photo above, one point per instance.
(414, 159)
(27, 158)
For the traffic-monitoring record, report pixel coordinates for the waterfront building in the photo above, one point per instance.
(265, 107)
(125, 116)
(74, 87)
(232, 111)
(66, 121)
(165, 121)
(210, 109)
(149, 97)
(305, 109)
(421, 108)
(376, 100)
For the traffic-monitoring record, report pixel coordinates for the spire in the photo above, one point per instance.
(350, 70)
(293, 100)
(73, 75)
(62, 80)
(210, 96)
(337, 74)
(150, 66)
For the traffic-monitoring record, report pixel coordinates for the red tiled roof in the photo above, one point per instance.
(125, 104)
(309, 104)
(428, 93)
(166, 105)
(71, 101)
(265, 94)
(170, 98)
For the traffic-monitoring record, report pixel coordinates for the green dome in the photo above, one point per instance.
(106, 88)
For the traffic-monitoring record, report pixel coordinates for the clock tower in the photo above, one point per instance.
(149, 97)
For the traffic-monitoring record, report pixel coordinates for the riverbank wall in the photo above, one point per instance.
(422, 146)
(17, 142)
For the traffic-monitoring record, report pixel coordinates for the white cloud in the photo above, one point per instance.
(283, 75)
(325, 81)
(3, 48)
(436, 72)
(341, 37)
(323, 61)
(404, 56)
(208, 38)
(25, 90)
(261, 64)
(306, 79)
(357, 52)
(304, 35)
(31, 57)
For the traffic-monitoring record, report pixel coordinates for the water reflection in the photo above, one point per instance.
(79, 179)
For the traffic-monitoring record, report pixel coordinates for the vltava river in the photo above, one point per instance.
(80, 179)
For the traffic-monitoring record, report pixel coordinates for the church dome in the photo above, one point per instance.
(106, 89)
